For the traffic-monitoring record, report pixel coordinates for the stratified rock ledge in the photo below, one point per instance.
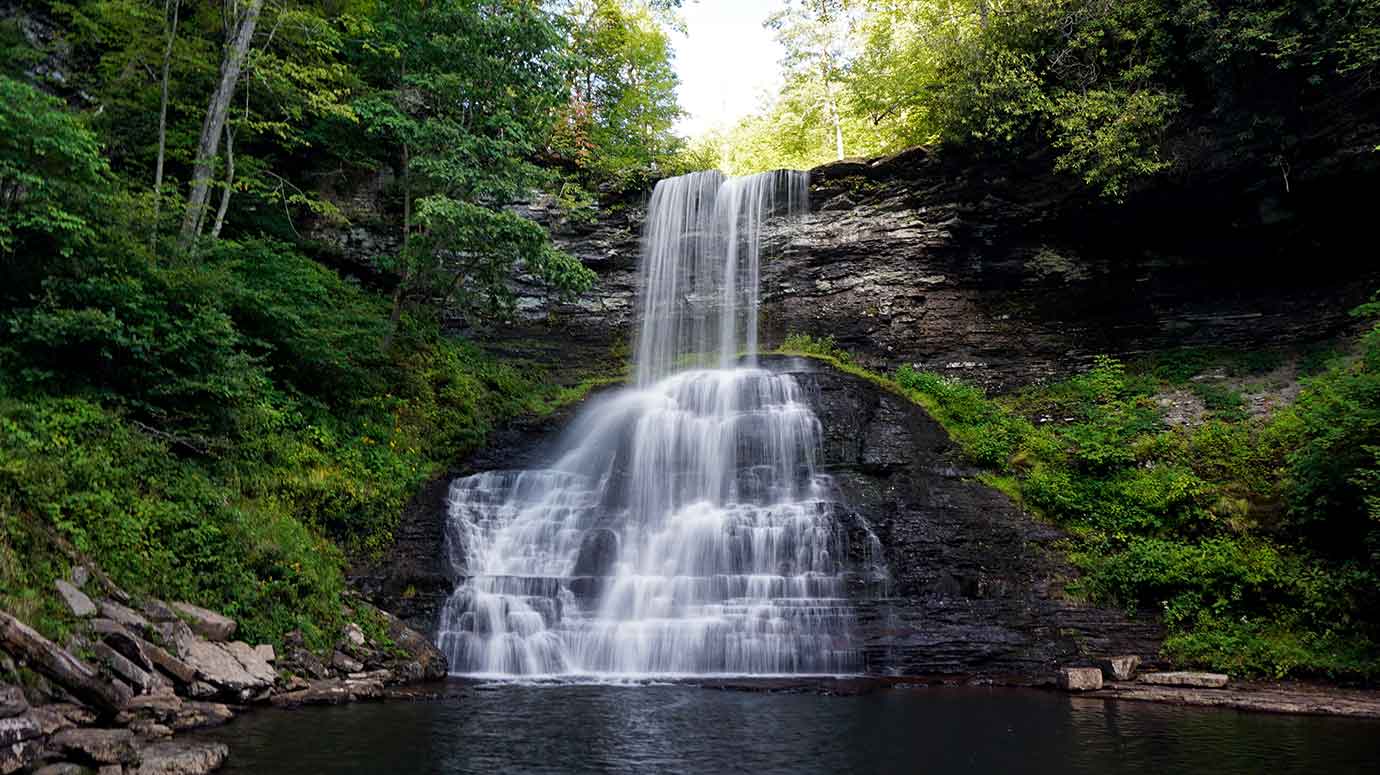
(1260, 698)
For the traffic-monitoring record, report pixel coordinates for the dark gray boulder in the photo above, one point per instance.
(598, 553)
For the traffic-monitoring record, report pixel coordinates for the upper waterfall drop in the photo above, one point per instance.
(685, 527)
(701, 259)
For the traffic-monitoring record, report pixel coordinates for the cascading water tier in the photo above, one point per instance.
(685, 529)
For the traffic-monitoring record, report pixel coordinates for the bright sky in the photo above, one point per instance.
(725, 61)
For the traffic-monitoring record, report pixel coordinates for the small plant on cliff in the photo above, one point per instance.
(819, 346)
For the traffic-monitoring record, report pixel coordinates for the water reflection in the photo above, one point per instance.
(544, 729)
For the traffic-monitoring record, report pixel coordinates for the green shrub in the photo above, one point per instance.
(1333, 476)
(989, 435)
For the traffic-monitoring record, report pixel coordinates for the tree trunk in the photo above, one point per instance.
(400, 292)
(48, 659)
(214, 123)
(163, 117)
(229, 181)
(838, 126)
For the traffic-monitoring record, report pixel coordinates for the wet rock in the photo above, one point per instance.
(119, 638)
(158, 611)
(75, 676)
(219, 667)
(368, 689)
(1185, 678)
(76, 600)
(99, 746)
(12, 701)
(598, 553)
(208, 624)
(162, 707)
(63, 768)
(1119, 668)
(1079, 679)
(354, 635)
(149, 730)
(181, 758)
(345, 664)
(124, 615)
(303, 662)
(141, 680)
(198, 715)
(329, 692)
(201, 690)
(18, 756)
(17, 729)
(430, 664)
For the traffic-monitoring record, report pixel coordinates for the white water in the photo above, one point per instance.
(684, 529)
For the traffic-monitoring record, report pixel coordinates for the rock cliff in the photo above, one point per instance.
(976, 586)
(1006, 275)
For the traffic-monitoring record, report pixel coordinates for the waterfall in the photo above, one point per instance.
(685, 527)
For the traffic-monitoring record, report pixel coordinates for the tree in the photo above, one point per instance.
(815, 37)
(617, 124)
(176, 7)
(54, 183)
(463, 94)
(239, 35)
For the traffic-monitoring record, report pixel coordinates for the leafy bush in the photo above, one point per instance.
(1333, 484)
(54, 183)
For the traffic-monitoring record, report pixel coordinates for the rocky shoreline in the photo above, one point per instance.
(135, 675)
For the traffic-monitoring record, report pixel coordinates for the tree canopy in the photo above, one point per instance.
(1117, 91)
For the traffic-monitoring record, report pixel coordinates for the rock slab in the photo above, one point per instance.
(1119, 668)
(1080, 679)
(81, 605)
(181, 758)
(99, 746)
(1185, 678)
(208, 624)
(18, 729)
(17, 756)
(12, 701)
(219, 666)
(55, 663)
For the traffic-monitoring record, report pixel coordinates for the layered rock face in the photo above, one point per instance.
(975, 586)
(1005, 274)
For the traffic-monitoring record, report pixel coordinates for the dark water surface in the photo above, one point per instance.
(676, 729)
